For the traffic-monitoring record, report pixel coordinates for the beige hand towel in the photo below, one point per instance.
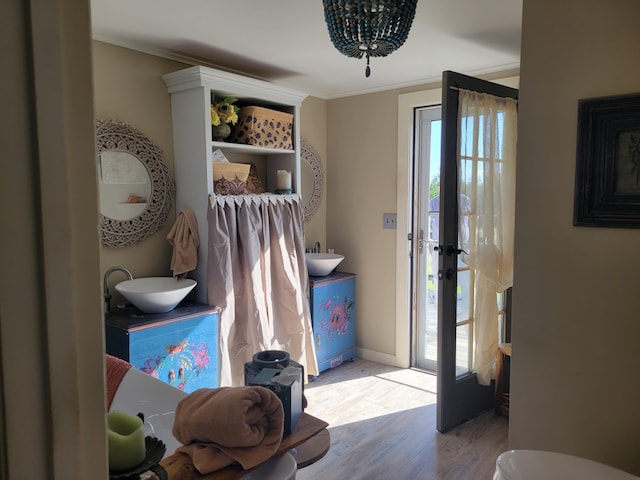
(221, 426)
(185, 240)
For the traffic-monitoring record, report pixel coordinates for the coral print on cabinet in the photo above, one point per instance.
(181, 364)
(339, 316)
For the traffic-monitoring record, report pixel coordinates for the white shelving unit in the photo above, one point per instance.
(192, 90)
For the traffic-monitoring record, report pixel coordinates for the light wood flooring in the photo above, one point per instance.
(382, 422)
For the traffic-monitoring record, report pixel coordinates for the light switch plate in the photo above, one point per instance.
(389, 220)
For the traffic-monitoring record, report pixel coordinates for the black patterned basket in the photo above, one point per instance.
(263, 127)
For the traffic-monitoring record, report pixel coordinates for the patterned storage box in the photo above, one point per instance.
(263, 127)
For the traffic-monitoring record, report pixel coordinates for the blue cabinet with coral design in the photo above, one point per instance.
(179, 347)
(333, 315)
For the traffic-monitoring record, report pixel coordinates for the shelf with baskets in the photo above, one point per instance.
(249, 149)
(192, 91)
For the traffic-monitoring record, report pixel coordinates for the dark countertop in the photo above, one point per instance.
(332, 277)
(131, 318)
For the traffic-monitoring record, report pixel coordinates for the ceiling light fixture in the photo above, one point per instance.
(368, 28)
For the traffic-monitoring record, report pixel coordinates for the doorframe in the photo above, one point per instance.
(52, 334)
(407, 102)
(404, 306)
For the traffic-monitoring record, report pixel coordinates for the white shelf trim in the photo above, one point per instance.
(226, 84)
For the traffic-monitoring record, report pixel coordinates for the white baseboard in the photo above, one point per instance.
(379, 357)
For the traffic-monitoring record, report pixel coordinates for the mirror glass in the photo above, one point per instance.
(312, 179)
(136, 191)
(306, 174)
(125, 185)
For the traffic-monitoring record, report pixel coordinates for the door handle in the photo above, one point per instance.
(448, 274)
(451, 250)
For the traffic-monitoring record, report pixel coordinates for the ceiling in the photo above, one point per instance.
(286, 41)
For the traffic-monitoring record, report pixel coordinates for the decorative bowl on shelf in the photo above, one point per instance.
(155, 294)
(322, 264)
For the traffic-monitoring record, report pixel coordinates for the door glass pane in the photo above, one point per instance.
(431, 313)
(464, 343)
(464, 294)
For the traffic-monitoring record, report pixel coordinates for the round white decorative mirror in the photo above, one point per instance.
(136, 191)
(312, 179)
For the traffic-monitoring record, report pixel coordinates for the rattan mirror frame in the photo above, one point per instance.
(113, 135)
(309, 156)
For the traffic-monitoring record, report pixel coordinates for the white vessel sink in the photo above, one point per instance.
(322, 264)
(155, 294)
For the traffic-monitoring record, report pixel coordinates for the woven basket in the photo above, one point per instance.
(230, 170)
(263, 127)
(230, 178)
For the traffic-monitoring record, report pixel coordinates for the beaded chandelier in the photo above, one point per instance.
(368, 28)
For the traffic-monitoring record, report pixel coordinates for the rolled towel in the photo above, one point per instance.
(221, 426)
(116, 369)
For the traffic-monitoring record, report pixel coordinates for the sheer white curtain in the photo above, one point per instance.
(486, 176)
(257, 275)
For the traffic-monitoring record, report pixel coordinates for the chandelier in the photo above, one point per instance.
(368, 28)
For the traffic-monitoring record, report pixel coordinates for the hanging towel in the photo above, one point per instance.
(116, 369)
(222, 426)
(185, 241)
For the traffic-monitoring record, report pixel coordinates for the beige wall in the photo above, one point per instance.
(360, 179)
(361, 186)
(313, 121)
(575, 361)
(356, 139)
(561, 326)
(128, 87)
(576, 325)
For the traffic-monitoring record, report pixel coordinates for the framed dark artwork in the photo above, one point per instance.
(607, 191)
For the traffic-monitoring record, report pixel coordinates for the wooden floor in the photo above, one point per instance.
(382, 422)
